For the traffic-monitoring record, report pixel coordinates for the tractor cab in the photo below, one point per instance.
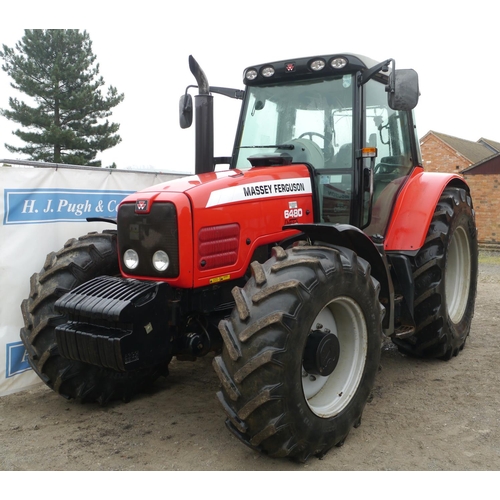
(333, 113)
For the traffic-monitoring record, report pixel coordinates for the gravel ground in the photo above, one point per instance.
(425, 415)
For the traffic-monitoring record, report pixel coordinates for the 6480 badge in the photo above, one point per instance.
(293, 213)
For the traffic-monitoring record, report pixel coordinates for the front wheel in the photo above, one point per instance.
(302, 348)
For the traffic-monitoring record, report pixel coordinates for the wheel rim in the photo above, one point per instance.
(457, 275)
(328, 396)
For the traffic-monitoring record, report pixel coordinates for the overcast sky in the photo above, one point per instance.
(143, 48)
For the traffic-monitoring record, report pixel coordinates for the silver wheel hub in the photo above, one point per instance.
(457, 275)
(329, 395)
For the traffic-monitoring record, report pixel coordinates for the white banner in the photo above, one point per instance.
(40, 209)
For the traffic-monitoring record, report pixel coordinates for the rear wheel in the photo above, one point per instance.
(445, 277)
(78, 262)
(302, 348)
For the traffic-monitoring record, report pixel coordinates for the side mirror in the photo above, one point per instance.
(403, 90)
(186, 110)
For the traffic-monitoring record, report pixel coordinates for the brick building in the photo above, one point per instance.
(479, 163)
(484, 180)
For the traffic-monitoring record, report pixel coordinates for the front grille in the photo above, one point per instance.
(218, 246)
(147, 233)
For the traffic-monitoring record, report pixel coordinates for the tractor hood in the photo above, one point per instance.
(210, 225)
(215, 189)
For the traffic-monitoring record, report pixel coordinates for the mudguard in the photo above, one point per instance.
(415, 207)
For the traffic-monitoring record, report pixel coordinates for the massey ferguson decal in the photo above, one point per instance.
(258, 190)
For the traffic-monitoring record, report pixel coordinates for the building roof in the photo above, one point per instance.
(495, 146)
(473, 151)
(488, 166)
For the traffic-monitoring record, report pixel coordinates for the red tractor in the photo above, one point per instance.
(323, 235)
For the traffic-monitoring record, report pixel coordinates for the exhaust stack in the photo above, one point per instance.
(204, 126)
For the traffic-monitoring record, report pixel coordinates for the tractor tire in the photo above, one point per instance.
(445, 276)
(273, 404)
(78, 262)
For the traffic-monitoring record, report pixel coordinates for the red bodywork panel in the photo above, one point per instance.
(244, 209)
(414, 209)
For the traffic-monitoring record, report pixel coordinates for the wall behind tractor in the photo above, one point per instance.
(438, 156)
(40, 209)
(483, 180)
(485, 191)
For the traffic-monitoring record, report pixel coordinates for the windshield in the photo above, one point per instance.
(317, 114)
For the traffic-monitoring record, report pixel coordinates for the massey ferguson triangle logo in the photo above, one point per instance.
(141, 205)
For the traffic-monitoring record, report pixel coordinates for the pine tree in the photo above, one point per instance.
(57, 70)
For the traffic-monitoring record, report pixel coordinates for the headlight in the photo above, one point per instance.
(317, 65)
(131, 259)
(251, 74)
(161, 260)
(267, 71)
(338, 63)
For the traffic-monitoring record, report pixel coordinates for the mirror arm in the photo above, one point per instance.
(232, 93)
(383, 66)
(228, 92)
(186, 94)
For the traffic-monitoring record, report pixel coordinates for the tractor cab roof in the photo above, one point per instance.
(308, 68)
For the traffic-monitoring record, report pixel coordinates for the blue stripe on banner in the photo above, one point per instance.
(17, 359)
(36, 206)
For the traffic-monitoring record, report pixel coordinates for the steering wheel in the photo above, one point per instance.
(311, 134)
(328, 151)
